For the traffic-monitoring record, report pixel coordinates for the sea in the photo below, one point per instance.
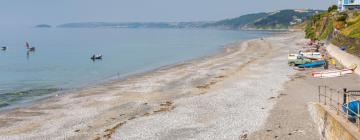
(62, 61)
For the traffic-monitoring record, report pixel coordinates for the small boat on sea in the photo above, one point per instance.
(31, 49)
(312, 64)
(3, 48)
(96, 56)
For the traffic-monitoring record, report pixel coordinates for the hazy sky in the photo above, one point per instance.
(28, 12)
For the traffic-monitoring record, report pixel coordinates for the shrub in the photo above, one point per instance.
(328, 30)
(332, 8)
(341, 17)
(309, 32)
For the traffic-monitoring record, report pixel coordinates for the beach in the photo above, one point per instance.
(228, 95)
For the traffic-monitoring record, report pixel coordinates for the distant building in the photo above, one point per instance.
(344, 5)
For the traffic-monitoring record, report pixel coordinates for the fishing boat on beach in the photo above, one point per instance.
(311, 55)
(312, 64)
(334, 73)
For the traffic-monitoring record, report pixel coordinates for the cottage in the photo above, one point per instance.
(348, 5)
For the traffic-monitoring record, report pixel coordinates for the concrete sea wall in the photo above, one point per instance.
(344, 58)
(332, 126)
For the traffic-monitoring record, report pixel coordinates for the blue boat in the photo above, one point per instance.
(312, 64)
(353, 106)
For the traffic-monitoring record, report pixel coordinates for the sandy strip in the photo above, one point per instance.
(218, 97)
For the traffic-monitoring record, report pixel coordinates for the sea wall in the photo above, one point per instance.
(332, 126)
(344, 58)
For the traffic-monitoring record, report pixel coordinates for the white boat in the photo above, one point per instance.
(308, 55)
(311, 55)
(293, 56)
(332, 73)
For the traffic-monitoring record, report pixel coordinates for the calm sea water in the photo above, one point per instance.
(62, 56)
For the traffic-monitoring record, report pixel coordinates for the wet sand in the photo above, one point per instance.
(223, 96)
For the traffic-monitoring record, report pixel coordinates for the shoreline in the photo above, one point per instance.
(142, 96)
(117, 78)
(110, 79)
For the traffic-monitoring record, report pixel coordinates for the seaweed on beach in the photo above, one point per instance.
(3, 104)
(8, 98)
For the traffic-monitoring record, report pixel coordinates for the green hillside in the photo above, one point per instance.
(239, 22)
(341, 28)
(283, 19)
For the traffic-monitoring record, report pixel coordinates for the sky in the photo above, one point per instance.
(54, 12)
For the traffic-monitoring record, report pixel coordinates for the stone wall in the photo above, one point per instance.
(332, 126)
(344, 58)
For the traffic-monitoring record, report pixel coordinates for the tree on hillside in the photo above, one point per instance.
(332, 8)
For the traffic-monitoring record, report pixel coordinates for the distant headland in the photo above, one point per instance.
(283, 19)
(43, 26)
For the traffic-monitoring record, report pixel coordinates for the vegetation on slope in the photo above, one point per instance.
(341, 28)
(347, 23)
(282, 19)
(353, 26)
(239, 22)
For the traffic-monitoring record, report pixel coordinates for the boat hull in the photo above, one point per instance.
(333, 73)
(313, 64)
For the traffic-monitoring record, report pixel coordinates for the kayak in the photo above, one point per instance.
(96, 56)
(352, 108)
(312, 64)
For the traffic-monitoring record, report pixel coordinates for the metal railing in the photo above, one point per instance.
(339, 99)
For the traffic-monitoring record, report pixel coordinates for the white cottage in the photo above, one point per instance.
(348, 5)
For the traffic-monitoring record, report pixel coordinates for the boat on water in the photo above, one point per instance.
(31, 49)
(3, 48)
(96, 56)
(312, 64)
